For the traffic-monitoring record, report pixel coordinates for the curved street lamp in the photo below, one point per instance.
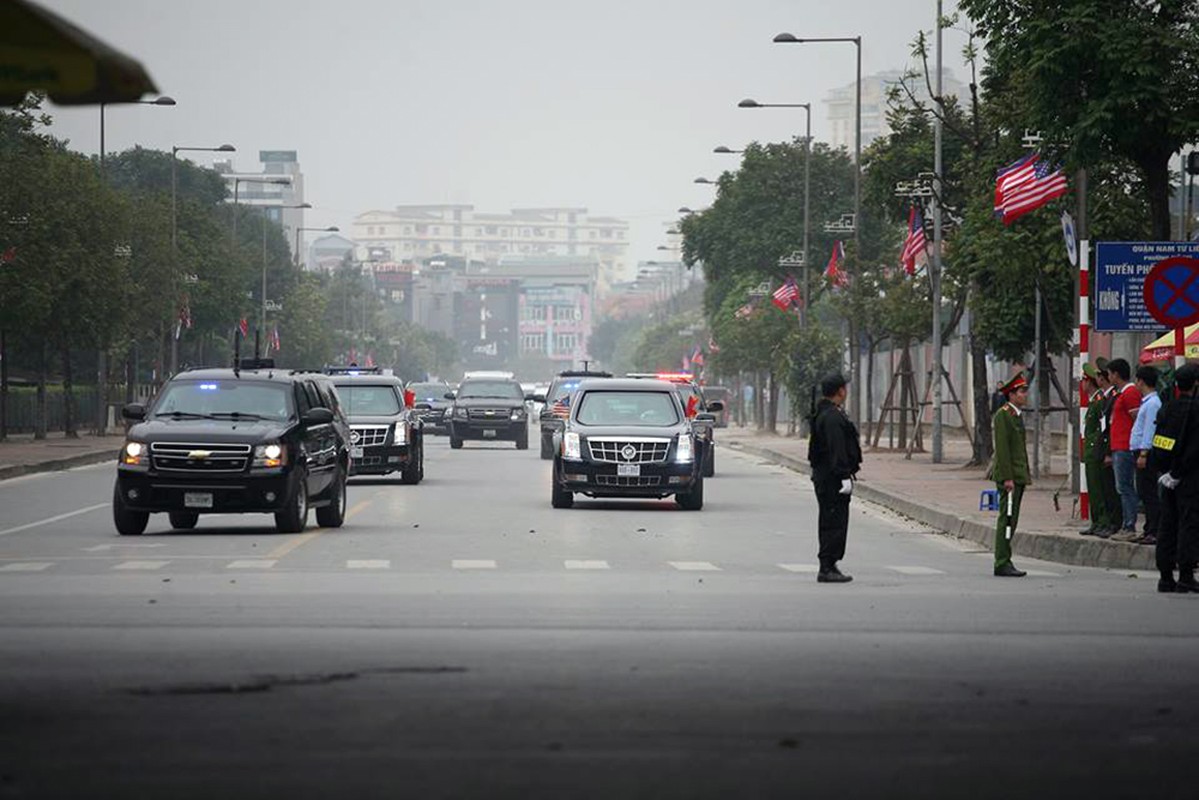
(330, 229)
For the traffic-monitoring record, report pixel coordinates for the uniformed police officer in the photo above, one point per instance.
(1009, 470)
(835, 455)
(1176, 454)
(1092, 455)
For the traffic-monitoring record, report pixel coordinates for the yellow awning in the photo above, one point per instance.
(1162, 348)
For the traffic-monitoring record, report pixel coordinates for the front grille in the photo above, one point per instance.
(489, 413)
(432, 414)
(199, 459)
(368, 435)
(627, 480)
(613, 450)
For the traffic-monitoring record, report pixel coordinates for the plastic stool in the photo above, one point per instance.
(988, 500)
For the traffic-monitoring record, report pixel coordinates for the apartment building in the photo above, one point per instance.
(842, 105)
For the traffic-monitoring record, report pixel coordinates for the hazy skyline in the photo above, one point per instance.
(612, 107)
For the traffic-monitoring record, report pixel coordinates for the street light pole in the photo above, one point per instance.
(330, 229)
(935, 275)
(264, 215)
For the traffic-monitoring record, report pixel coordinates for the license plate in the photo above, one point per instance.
(197, 499)
(628, 470)
(488, 434)
(357, 452)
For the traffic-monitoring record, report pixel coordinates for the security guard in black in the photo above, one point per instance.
(835, 455)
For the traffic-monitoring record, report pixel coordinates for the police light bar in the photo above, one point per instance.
(677, 377)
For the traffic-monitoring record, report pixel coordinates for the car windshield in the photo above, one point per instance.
(225, 399)
(496, 389)
(359, 400)
(429, 391)
(649, 409)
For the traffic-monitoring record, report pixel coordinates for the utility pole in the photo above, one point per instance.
(934, 276)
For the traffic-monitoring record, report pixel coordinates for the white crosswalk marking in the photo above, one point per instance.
(805, 568)
(252, 563)
(468, 563)
(570, 564)
(1044, 573)
(370, 563)
(917, 570)
(694, 566)
(26, 566)
(141, 565)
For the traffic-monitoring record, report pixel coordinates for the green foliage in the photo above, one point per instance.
(813, 352)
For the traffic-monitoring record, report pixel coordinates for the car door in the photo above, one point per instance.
(321, 443)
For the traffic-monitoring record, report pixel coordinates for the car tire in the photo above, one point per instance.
(455, 442)
(334, 514)
(294, 516)
(710, 462)
(414, 472)
(559, 497)
(183, 520)
(128, 523)
(522, 441)
(694, 499)
(547, 447)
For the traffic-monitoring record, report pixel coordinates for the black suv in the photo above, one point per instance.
(431, 405)
(248, 440)
(386, 433)
(489, 409)
(556, 405)
(627, 438)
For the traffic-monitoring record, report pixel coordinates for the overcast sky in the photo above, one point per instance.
(614, 106)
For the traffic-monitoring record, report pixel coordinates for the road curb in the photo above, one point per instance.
(56, 464)
(1082, 552)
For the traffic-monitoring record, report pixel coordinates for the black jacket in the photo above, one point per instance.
(1184, 464)
(1168, 439)
(833, 449)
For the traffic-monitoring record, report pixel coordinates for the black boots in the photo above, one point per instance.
(1186, 582)
(1009, 570)
(830, 574)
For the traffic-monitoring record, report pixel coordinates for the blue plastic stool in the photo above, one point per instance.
(988, 500)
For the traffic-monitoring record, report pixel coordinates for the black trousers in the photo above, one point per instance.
(834, 524)
(1178, 528)
(1147, 491)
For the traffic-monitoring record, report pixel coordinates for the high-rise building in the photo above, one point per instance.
(252, 190)
(842, 105)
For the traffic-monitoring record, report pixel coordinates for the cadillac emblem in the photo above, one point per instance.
(628, 452)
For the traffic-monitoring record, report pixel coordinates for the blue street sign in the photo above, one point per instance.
(1119, 286)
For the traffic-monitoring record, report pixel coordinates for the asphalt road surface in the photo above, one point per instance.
(460, 638)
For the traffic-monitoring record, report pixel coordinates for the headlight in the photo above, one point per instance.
(400, 436)
(518, 414)
(571, 447)
(459, 413)
(135, 454)
(270, 455)
(684, 453)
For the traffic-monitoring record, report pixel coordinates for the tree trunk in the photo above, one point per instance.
(759, 402)
(102, 390)
(982, 402)
(868, 422)
(39, 418)
(3, 384)
(68, 396)
(772, 423)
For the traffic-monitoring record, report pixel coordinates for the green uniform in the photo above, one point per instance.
(1092, 458)
(1010, 464)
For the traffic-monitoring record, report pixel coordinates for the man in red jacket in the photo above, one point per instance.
(1124, 412)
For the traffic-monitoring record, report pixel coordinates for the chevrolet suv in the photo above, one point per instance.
(556, 405)
(489, 409)
(248, 440)
(431, 405)
(386, 433)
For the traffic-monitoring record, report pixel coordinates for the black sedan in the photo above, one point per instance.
(627, 438)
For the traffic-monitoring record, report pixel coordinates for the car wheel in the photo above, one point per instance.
(413, 473)
(129, 523)
(522, 441)
(334, 514)
(547, 447)
(694, 499)
(559, 497)
(294, 516)
(183, 520)
(710, 462)
(455, 442)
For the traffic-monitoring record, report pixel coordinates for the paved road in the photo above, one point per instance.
(461, 638)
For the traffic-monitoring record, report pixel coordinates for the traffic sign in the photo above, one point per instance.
(1172, 291)
(1120, 272)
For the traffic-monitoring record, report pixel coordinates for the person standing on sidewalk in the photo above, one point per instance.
(1009, 470)
(1141, 441)
(835, 455)
(1176, 455)
(1124, 410)
(1092, 455)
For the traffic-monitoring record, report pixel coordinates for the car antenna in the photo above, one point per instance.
(237, 354)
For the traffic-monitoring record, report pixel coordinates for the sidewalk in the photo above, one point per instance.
(22, 454)
(945, 496)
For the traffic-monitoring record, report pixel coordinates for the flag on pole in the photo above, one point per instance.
(1027, 185)
(272, 342)
(786, 295)
(744, 311)
(697, 356)
(833, 271)
(916, 245)
(243, 327)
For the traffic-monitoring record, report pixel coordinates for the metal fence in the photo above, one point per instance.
(21, 414)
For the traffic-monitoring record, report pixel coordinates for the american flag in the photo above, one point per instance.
(1027, 185)
(833, 271)
(744, 311)
(243, 327)
(916, 245)
(272, 342)
(786, 295)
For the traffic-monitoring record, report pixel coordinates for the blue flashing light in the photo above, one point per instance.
(208, 387)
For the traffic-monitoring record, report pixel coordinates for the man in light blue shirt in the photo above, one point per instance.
(1141, 442)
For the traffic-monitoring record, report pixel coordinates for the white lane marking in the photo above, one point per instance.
(26, 566)
(100, 548)
(694, 566)
(1044, 573)
(141, 565)
(571, 564)
(376, 563)
(805, 568)
(467, 563)
(56, 518)
(917, 570)
(252, 563)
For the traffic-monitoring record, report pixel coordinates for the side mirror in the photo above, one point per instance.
(530, 397)
(539, 398)
(450, 395)
(424, 406)
(134, 412)
(716, 405)
(318, 416)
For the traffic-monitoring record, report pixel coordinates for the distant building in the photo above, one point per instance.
(420, 231)
(252, 191)
(842, 104)
(327, 252)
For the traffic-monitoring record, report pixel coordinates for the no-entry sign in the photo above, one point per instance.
(1172, 291)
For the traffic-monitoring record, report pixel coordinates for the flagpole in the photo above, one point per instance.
(935, 274)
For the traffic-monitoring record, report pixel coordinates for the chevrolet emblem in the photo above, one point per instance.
(199, 455)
